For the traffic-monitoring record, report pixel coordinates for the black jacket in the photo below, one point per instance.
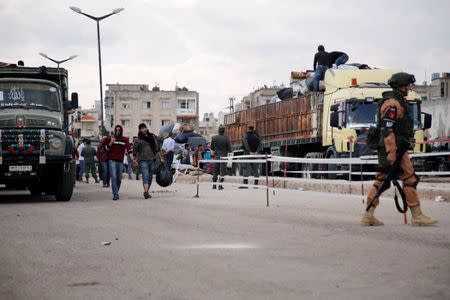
(321, 58)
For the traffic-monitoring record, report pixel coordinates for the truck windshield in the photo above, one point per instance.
(364, 114)
(361, 114)
(29, 96)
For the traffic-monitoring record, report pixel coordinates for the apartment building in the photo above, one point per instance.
(131, 104)
(436, 101)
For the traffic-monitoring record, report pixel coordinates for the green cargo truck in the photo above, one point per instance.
(35, 151)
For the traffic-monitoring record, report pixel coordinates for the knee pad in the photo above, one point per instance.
(411, 181)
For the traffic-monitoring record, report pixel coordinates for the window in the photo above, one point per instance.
(146, 104)
(165, 104)
(125, 105)
(186, 104)
(125, 123)
(148, 123)
(165, 122)
(112, 121)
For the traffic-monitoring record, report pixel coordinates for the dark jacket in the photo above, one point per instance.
(220, 144)
(251, 143)
(143, 150)
(102, 154)
(334, 56)
(321, 58)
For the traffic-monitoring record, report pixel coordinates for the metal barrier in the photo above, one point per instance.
(266, 159)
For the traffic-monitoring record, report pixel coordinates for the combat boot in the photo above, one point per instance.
(368, 218)
(419, 219)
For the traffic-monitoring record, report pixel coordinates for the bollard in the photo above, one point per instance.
(198, 184)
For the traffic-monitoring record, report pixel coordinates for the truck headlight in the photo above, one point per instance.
(55, 143)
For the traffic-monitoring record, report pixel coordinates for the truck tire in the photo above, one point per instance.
(331, 153)
(64, 187)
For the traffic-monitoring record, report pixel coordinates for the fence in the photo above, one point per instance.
(269, 159)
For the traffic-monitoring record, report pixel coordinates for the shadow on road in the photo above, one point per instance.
(18, 197)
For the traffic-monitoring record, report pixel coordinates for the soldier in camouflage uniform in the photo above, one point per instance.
(396, 132)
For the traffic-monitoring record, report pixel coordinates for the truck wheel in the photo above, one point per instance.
(64, 187)
(331, 153)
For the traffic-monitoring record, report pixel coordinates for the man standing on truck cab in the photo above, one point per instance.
(116, 145)
(320, 65)
(396, 131)
(252, 145)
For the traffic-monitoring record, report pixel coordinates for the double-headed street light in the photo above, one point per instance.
(98, 19)
(57, 62)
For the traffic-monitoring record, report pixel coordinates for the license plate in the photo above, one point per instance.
(20, 168)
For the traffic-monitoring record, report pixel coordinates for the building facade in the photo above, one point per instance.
(258, 97)
(131, 104)
(436, 101)
(209, 126)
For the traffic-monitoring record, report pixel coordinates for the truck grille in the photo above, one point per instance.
(23, 141)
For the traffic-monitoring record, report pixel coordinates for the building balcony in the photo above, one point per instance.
(186, 112)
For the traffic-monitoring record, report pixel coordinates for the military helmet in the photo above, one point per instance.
(401, 79)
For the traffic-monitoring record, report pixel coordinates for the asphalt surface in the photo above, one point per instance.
(223, 245)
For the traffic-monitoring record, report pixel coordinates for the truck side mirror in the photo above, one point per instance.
(74, 99)
(334, 119)
(426, 121)
(334, 107)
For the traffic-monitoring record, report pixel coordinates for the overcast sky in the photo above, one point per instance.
(222, 48)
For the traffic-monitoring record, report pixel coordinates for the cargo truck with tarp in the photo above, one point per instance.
(324, 124)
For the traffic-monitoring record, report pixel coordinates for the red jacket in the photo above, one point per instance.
(102, 154)
(118, 149)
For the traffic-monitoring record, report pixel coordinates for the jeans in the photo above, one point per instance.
(115, 171)
(319, 74)
(105, 177)
(169, 159)
(147, 171)
(80, 175)
(341, 60)
(128, 170)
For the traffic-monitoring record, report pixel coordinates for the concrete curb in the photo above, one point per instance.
(426, 190)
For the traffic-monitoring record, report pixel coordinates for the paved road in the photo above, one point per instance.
(224, 245)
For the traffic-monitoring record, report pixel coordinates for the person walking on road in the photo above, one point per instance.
(102, 156)
(116, 146)
(81, 160)
(220, 146)
(169, 147)
(252, 145)
(146, 147)
(396, 131)
(89, 154)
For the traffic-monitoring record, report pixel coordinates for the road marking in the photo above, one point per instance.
(220, 246)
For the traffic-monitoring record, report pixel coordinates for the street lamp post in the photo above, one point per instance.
(98, 19)
(57, 62)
